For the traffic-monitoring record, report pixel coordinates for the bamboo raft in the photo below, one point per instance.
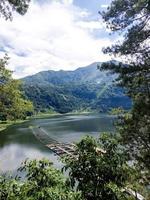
(62, 149)
(59, 148)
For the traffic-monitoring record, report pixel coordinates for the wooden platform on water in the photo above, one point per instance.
(59, 148)
(62, 149)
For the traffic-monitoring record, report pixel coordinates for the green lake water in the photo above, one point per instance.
(18, 142)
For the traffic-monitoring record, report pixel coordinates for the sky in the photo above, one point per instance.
(54, 35)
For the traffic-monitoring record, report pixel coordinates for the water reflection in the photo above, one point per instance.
(18, 142)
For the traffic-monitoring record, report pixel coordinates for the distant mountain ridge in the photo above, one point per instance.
(85, 88)
(88, 73)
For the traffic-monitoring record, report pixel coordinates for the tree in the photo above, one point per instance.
(132, 18)
(12, 104)
(8, 6)
(41, 182)
(99, 168)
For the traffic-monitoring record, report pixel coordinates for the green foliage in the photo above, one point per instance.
(12, 105)
(5, 74)
(8, 6)
(42, 182)
(70, 91)
(133, 18)
(117, 111)
(99, 168)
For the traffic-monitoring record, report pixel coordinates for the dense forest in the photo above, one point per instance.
(85, 89)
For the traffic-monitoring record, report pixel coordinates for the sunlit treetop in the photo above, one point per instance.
(5, 74)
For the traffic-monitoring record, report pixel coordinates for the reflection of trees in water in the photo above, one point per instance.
(20, 134)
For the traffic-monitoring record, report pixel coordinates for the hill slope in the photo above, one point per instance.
(66, 91)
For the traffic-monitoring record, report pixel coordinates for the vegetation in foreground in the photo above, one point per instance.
(132, 18)
(98, 171)
(41, 182)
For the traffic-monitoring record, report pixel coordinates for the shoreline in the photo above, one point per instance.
(5, 124)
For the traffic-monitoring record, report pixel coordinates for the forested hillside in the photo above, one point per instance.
(83, 89)
(13, 106)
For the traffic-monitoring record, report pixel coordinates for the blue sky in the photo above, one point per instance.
(92, 5)
(55, 34)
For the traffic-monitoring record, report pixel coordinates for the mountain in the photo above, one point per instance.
(84, 74)
(85, 88)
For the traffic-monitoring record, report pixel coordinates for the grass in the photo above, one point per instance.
(43, 115)
(5, 124)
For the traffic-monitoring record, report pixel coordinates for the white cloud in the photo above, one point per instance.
(51, 36)
(67, 1)
(104, 5)
(91, 25)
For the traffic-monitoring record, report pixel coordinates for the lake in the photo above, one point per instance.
(18, 142)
